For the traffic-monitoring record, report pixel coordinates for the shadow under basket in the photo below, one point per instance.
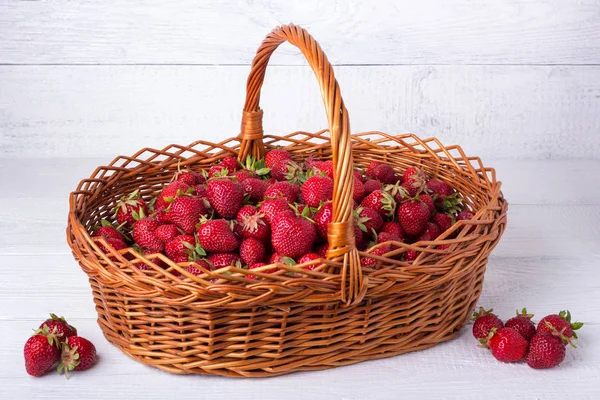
(339, 313)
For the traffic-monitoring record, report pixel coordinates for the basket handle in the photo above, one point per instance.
(341, 230)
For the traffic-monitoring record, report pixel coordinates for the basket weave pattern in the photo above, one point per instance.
(340, 313)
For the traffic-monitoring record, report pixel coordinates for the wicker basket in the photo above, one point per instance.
(295, 319)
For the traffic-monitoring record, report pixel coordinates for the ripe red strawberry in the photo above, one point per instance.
(413, 173)
(560, 323)
(394, 228)
(226, 196)
(428, 200)
(414, 181)
(244, 174)
(187, 177)
(323, 218)
(275, 156)
(78, 354)
(220, 260)
(283, 189)
(323, 249)
(41, 352)
(116, 244)
(183, 248)
(413, 215)
(130, 208)
(167, 232)
(108, 230)
(170, 192)
(161, 216)
(358, 175)
(522, 324)
(217, 236)
(252, 251)
(431, 232)
(317, 189)
(384, 174)
(254, 189)
(507, 345)
(368, 220)
(485, 321)
(545, 351)
(359, 189)
(381, 202)
(194, 268)
(218, 171)
(370, 262)
(292, 235)
(370, 173)
(411, 255)
(372, 185)
(327, 167)
(253, 225)
(270, 208)
(185, 212)
(386, 237)
(230, 163)
(307, 258)
(59, 326)
(443, 221)
(199, 190)
(360, 238)
(442, 189)
(145, 236)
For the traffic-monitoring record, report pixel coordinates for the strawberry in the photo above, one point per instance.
(130, 208)
(484, 322)
(431, 232)
(230, 163)
(253, 225)
(254, 189)
(442, 189)
(170, 192)
(185, 212)
(292, 235)
(317, 189)
(78, 354)
(218, 171)
(560, 323)
(275, 156)
(443, 221)
(384, 174)
(323, 249)
(368, 220)
(252, 251)
(187, 177)
(167, 232)
(413, 174)
(183, 248)
(358, 175)
(381, 202)
(372, 185)
(428, 200)
(386, 237)
(465, 215)
(285, 190)
(323, 217)
(370, 262)
(277, 258)
(545, 351)
(226, 196)
(394, 228)
(308, 257)
(145, 236)
(41, 351)
(522, 324)
(360, 238)
(108, 230)
(244, 174)
(220, 260)
(217, 236)
(194, 268)
(199, 190)
(116, 244)
(161, 216)
(59, 326)
(258, 265)
(270, 208)
(413, 215)
(370, 172)
(326, 167)
(414, 181)
(507, 345)
(411, 255)
(359, 189)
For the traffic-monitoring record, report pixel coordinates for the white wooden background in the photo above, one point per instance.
(515, 82)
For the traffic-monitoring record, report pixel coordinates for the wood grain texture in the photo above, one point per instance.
(550, 242)
(351, 32)
(493, 111)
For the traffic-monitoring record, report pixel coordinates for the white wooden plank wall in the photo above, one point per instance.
(506, 79)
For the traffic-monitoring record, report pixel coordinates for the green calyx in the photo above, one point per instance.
(566, 315)
(360, 221)
(524, 314)
(452, 204)
(194, 251)
(258, 166)
(52, 336)
(484, 342)
(561, 334)
(481, 312)
(69, 360)
(305, 211)
(388, 204)
(62, 319)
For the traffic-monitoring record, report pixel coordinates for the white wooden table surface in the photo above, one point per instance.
(548, 260)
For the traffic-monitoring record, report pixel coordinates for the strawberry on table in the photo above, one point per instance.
(522, 324)
(507, 345)
(560, 323)
(484, 322)
(59, 326)
(545, 351)
(78, 354)
(41, 351)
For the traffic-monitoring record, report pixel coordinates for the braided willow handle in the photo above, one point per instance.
(341, 230)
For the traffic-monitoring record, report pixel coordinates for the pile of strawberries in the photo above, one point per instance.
(55, 341)
(277, 210)
(518, 338)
